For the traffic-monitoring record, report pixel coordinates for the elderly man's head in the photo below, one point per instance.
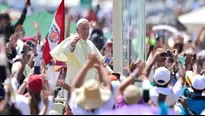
(82, 28)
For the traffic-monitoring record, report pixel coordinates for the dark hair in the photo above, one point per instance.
(5, 16)
(11, 111)
(0, 16)
(97, 37)
(34, 103)
(197, 91)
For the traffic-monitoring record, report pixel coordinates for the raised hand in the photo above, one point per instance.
(189, 59)
(158, 53)
(35, 24)
(93, 60)
(174, 53)
(62, 83)
(70, 17)
(140, 66)
(179, 40)
(13, 39)
(74, 42)
(27, 3)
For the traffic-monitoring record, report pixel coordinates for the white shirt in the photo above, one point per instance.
(22, 103)
(173, 94)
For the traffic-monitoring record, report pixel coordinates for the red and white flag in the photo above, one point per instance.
(56, 33)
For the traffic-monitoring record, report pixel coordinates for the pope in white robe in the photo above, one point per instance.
(74, 52)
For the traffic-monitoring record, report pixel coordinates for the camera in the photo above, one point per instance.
(166, 54)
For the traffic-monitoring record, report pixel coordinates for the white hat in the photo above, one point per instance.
(198, 82)
(162, 74)
(81, 21)
(91, 95)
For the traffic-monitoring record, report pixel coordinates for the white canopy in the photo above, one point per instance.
(171, 29)
(194, 20)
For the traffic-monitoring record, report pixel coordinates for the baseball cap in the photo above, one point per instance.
(162, 76)
(198, 82)
(113, 78)
(35, 83)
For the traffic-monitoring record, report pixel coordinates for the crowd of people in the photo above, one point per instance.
(172, 78)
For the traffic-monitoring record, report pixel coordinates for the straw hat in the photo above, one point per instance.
(132, 94)
(91, 95)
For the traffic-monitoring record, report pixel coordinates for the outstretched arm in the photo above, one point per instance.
(138, 71)
(23, 15)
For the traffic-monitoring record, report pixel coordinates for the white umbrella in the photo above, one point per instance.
(194, 20)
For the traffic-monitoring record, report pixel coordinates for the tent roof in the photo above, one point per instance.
(194, 20)
(194, 17)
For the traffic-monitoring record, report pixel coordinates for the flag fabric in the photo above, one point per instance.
(55, 34)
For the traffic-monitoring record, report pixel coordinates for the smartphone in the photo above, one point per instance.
(163, 54)
(30, 44)
(37, 70)
(168, 53)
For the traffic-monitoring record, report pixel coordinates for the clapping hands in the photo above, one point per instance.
(93, 61)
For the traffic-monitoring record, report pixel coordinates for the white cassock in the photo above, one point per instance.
(77, 58)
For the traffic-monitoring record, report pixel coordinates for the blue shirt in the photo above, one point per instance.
(196, 106)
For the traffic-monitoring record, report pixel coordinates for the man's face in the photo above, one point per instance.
(169, 62)
(83, 30)
(4, 23)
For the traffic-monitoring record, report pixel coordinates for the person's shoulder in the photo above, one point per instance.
(153, 91)
(70, 38)
(90, 42)
(21, 99)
